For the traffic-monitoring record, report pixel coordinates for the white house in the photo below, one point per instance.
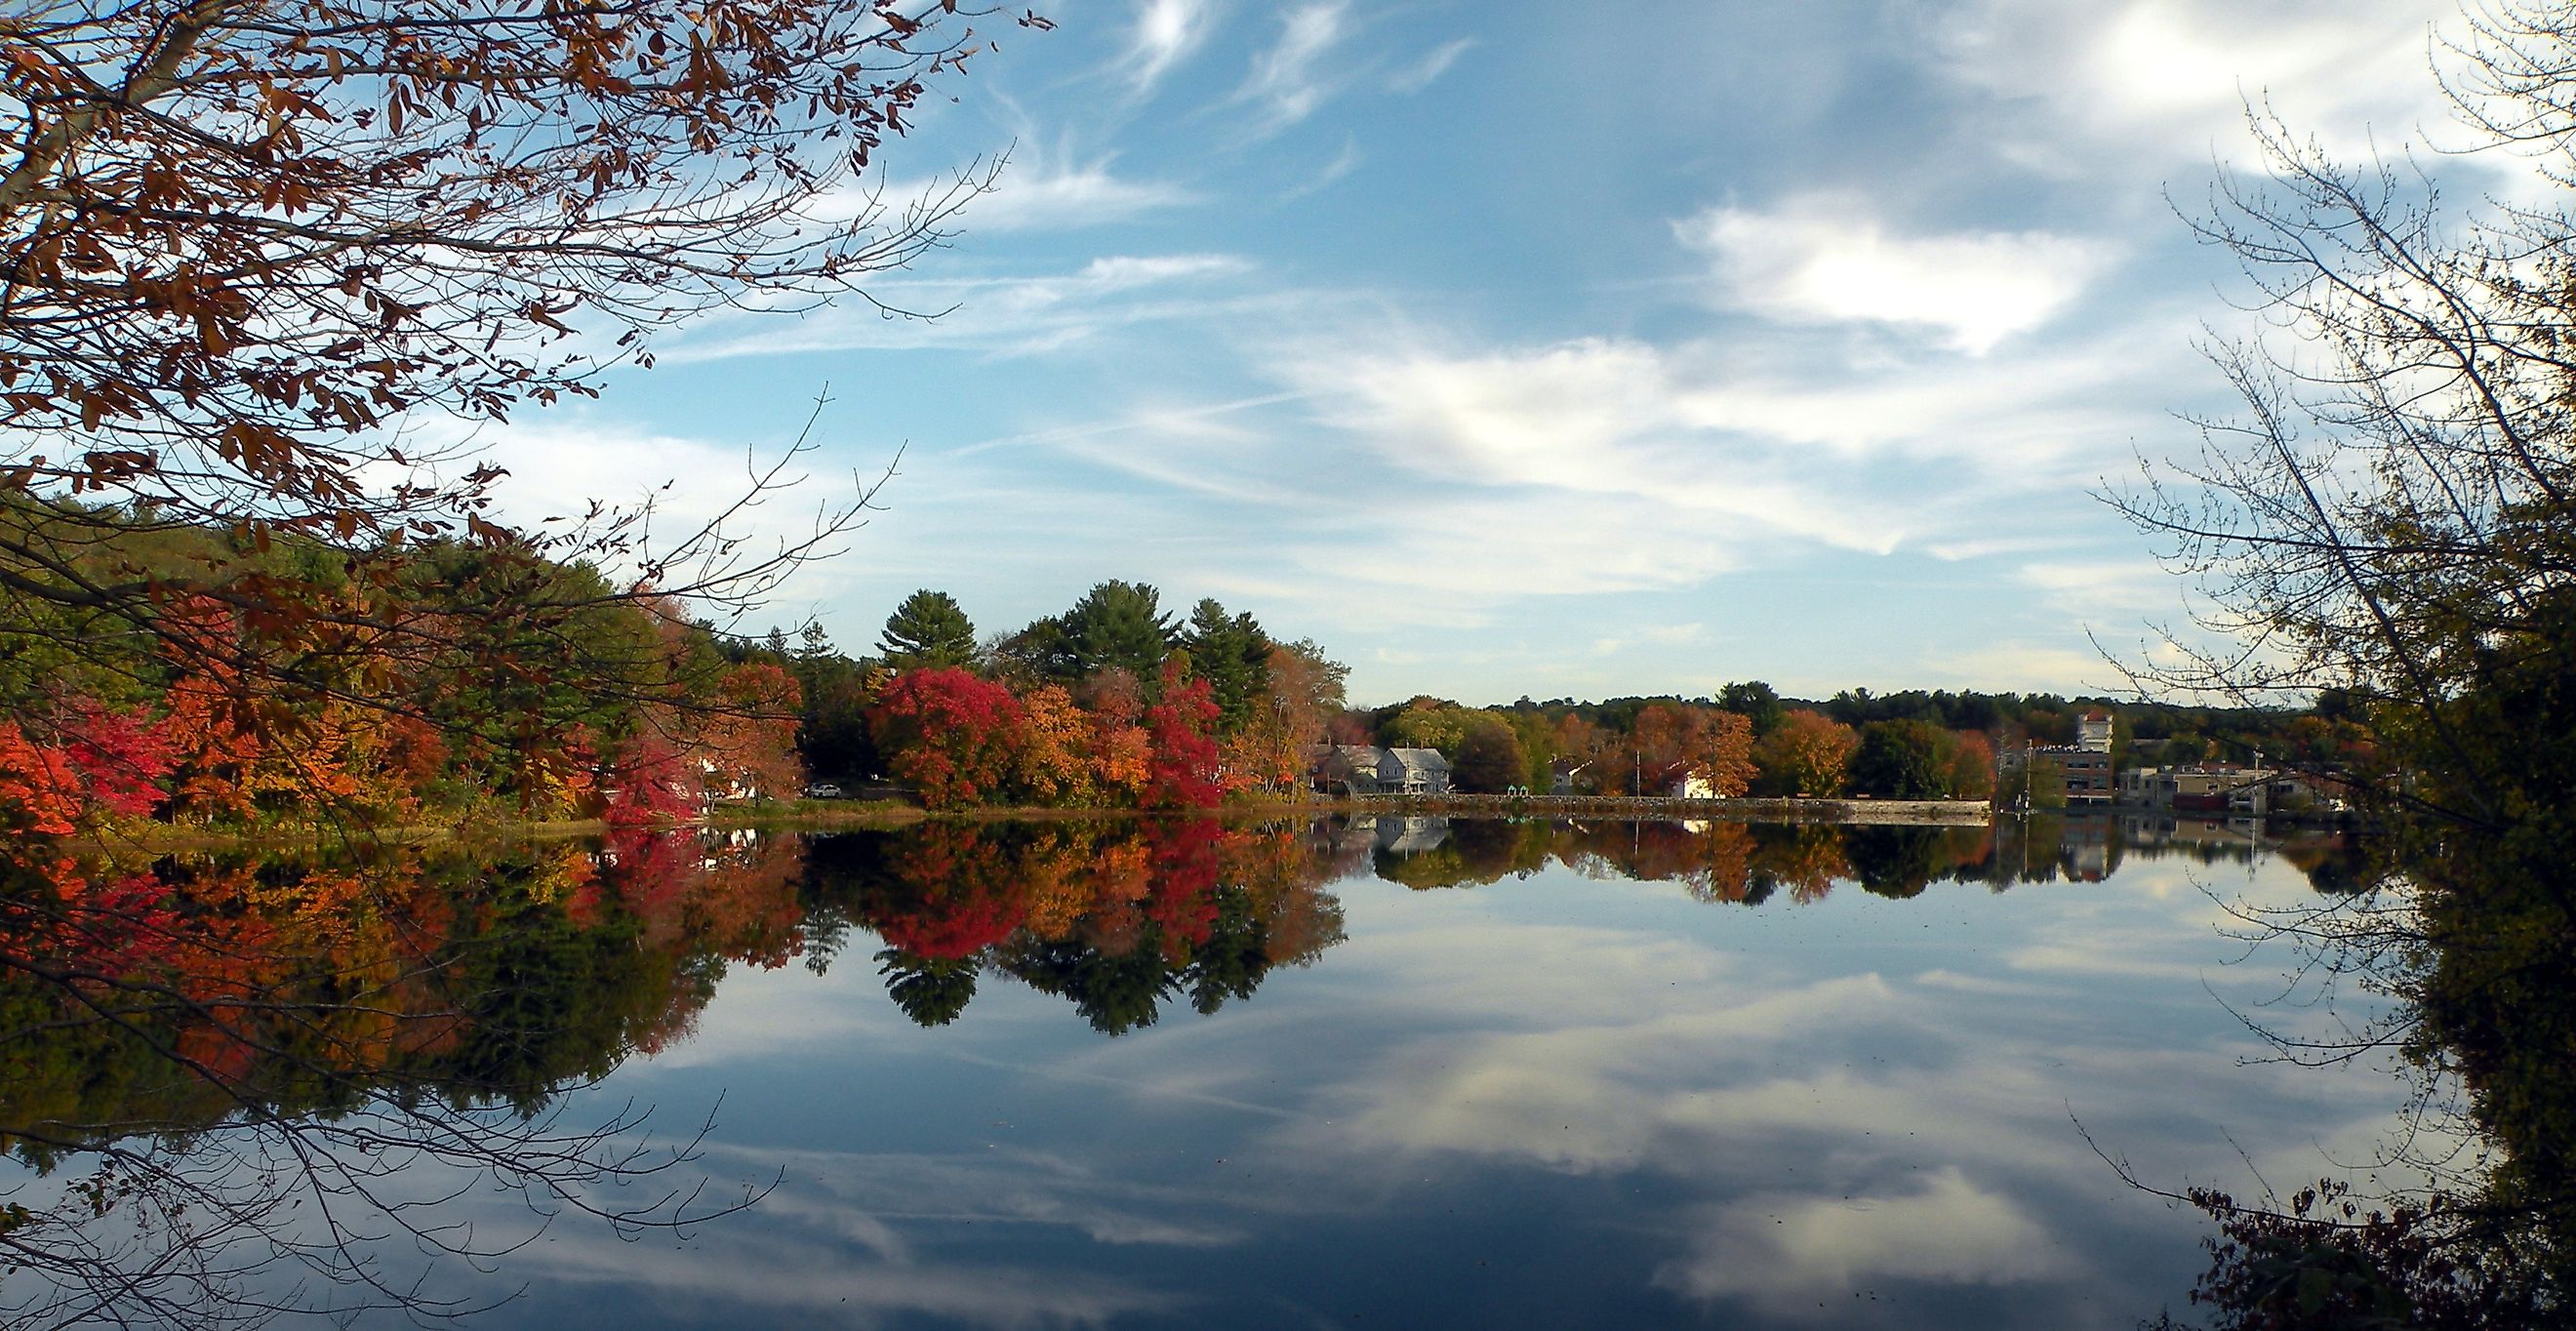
(1413, 771)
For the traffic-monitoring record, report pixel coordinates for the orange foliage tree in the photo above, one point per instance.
(1053, 764)
(1673, 741)
(746, 743)
(1972, 766)
(39, 795)
(1806, 754)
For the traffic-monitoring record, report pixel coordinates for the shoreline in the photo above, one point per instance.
(815, 815)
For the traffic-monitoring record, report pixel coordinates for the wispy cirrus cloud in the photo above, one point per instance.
(1015, 314)
(1286, 84)
(1039, 192)
(1426, 71)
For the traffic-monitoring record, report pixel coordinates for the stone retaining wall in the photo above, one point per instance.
(1627, 806)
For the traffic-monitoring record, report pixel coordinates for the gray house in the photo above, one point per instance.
(1359, 769)
(1345, 769)
(1413, 771)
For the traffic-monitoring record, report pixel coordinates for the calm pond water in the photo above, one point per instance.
(1348, 1074)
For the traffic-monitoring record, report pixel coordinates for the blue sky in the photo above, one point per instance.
(1514, 348)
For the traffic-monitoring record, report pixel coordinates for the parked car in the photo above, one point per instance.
(823, 790)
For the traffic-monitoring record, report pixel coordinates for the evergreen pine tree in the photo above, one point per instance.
(928, 629)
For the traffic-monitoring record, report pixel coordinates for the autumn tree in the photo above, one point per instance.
(1185, 766)
(1805, 754)
(1057, 762)
(1664, 746)
(747, 745)
(953, 737)
(258, 261)
(1721, 756)
(1300, 697)
(1972, 766)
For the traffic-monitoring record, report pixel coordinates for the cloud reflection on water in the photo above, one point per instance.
(1681, 1109)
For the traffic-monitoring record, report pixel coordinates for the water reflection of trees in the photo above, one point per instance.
(2468, 1221)
(239, 1087)
(1750, 863)
(231, 1080)
(1120, 919)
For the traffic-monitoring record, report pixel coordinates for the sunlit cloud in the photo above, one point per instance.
(1825, 261)
(2171, 80)
(1167, 32)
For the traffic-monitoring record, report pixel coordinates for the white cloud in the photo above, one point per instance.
(1423, 73)
(1019, 314)
(1167, 31)
(2101, 590)
(1284, 82)
(1060, 196)
(1822, 260)
(1622, 420)
(2169, 80)
(698, 507)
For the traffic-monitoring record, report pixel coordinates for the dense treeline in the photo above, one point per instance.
(464, 680)
(1111, 704)
(450, 679)
(1748, 739)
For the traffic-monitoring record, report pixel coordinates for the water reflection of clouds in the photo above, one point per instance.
(1782, 1250)
(1001, 1187)
(851, 1238)
(734, 1280)
(1796, 1100)
(1817, 1100)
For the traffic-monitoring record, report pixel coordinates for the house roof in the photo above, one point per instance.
(1420, 760)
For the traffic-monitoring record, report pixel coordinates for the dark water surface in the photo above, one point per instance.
(1422, 1074)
